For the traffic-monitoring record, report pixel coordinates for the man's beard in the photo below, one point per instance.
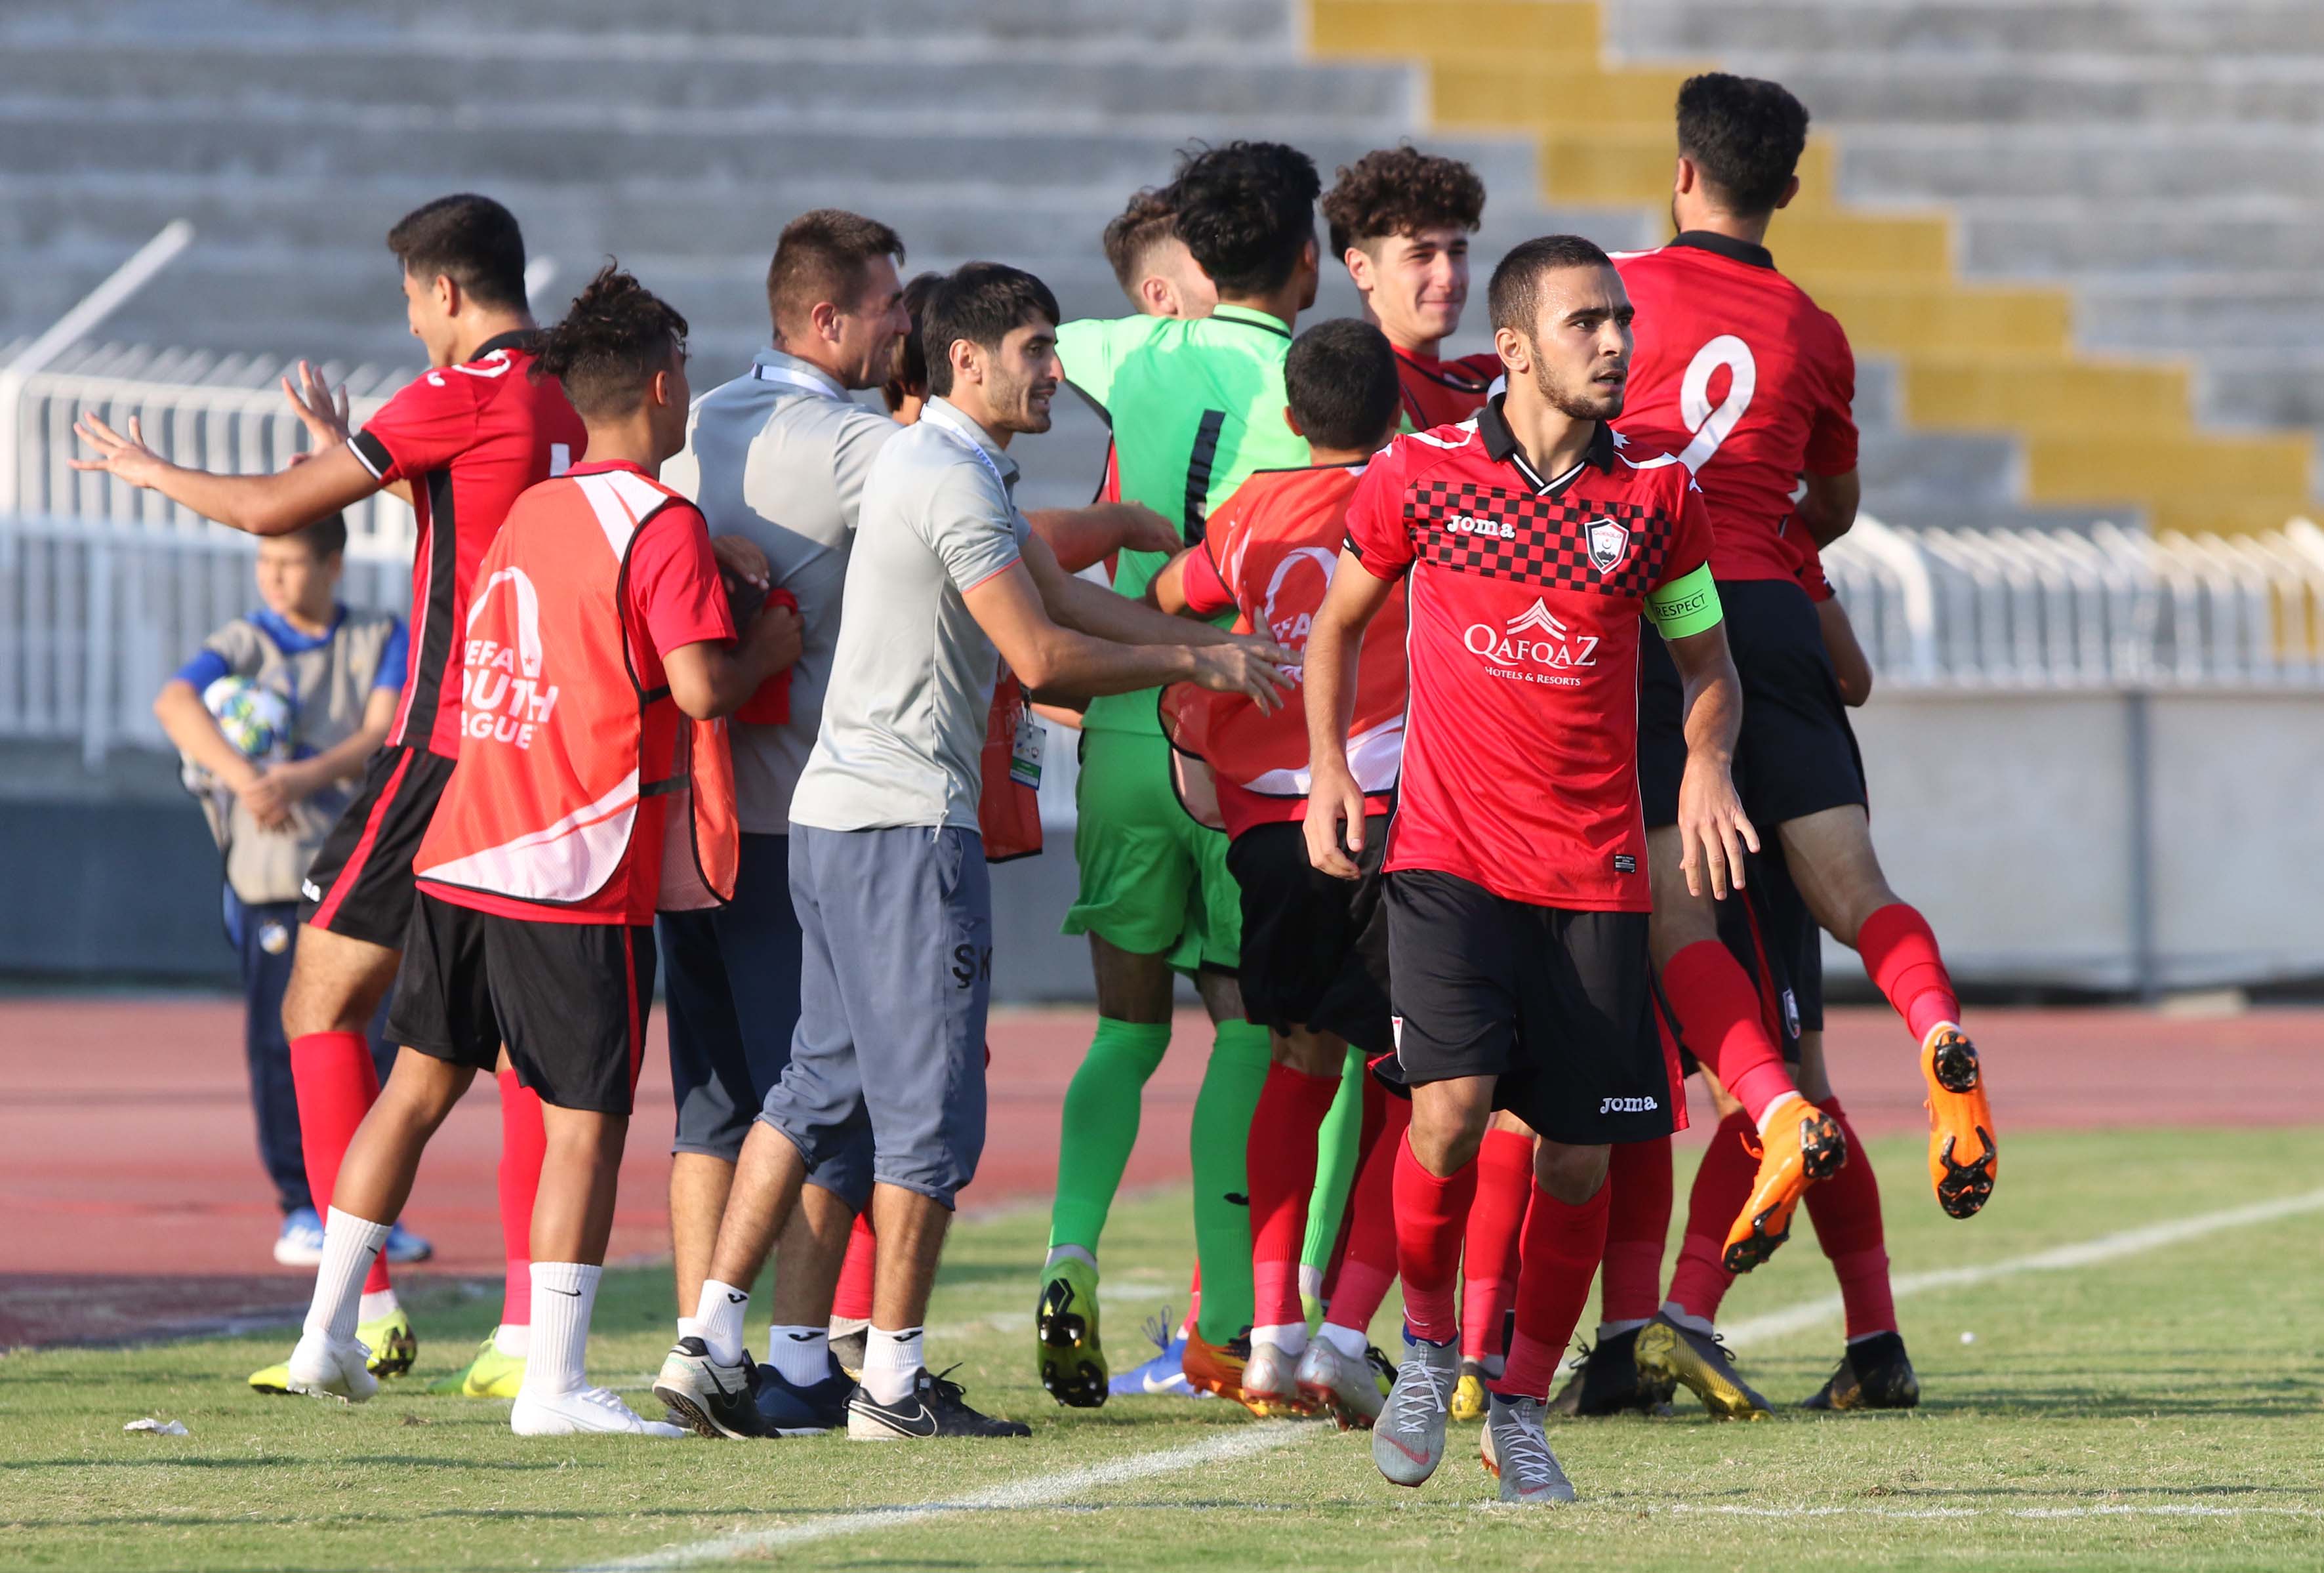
(1588, 406)
(1013, 406)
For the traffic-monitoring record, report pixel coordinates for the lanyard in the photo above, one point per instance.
(974, 447)
(799, 380)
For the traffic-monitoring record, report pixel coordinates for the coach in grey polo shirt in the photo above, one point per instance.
(779, 457)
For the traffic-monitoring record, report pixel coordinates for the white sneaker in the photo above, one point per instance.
(1331, 1381)
(583, 1411)
(324, 1368)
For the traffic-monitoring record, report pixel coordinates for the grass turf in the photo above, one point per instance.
(2157, 1409)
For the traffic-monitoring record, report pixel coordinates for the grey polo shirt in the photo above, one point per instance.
(779, 454)
(904, 722)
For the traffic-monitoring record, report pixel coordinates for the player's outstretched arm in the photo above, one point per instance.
(1828, 506)
(1093, 610)
(1081, 536)
(1712, 826)
(274, 504)
(1050, 656)
(1335, 802)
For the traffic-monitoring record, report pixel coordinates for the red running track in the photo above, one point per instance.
(127, 1150)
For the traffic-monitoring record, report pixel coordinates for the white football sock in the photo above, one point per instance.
(1775, 1110)
(890, 1363)
(1349, 1341)
(514, 1339)
(842, 1326)
(688, 1328)
(801, 1354)
(349, 1244)
(1068, 1254)
(1291, 1338)
(721, 1315)
(563, 1294)
(378, 1304)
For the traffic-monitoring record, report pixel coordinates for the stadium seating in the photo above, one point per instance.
(2037, 348)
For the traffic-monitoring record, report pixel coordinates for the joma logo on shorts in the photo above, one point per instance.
(1626, 1106)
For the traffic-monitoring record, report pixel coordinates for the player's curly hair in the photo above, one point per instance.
(1247, 210)
(614, 337)
(1745, 136)
(1401, 190)
(1148, 220)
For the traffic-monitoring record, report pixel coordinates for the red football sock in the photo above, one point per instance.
(1429, 1212)
(1368, 1131)
(1369, 1268)
(335, 1084)
(1280, 1159)
(1638, 1227)
(1721, 1186)
(1901, 953)
(1846, 1212)
(851, 1300)
(523, 1142)
(1718, 1016)
(1194, 1298)
(1489, 1251)
(1562, 1247)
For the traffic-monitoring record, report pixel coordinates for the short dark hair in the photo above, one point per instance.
(1246, 211)
(326, 537)
(1514, 297)
(617, 334)
(823, 256)
(1745, 136)
(471, 239)
(983, 303)
(1136, 230)
(1341, 378)
(912, 373)
(1401, 190)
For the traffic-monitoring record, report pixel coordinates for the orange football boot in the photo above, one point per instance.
(1964, 1160)
(1217, 1368)
(1803, 1147)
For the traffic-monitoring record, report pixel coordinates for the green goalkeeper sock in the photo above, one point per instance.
(1335, 1173)
(1219, 1140)
(1101, 1126)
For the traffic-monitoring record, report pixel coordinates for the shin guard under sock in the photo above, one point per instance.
(1721, 1186)
(1219, 1141)
(1429, 1213)
(1562, 1246)
(1101, 1126)
(1280, 1159)
(523, 1143)
(1846, 1212)
(1638, 1185)
(1489, 1246)
(1900, 951)
(335, 1084)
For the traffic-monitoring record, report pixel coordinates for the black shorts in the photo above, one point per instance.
(1557, 1004)
(360, 882)
(1771, 937)
(569, 1001)
(1314, 948)
(1796, 754)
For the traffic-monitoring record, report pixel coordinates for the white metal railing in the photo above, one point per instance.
(2061, 609)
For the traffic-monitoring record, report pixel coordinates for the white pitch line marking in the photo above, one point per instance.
(2092, 1510)
(1812, 1313)
(1043, 1491)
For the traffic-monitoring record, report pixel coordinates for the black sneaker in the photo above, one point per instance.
(935, 1408)
(713, 1400)
(786, 1409)
(1874, 1374)
(1607, 1380)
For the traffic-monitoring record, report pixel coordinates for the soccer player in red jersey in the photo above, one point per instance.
(1401, 221)
(1742, 373)
(459, 443)
(1314, 949)
(1532, 540)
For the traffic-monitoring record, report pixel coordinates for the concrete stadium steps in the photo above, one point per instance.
(1974, 161)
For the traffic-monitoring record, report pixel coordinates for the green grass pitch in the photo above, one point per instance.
(2155, 1410)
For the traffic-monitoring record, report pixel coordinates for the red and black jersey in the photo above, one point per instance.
(469, 438)
(1746, 379)
(1520, 759)
(1442, 392)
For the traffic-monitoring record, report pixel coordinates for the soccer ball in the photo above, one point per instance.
(256, 721)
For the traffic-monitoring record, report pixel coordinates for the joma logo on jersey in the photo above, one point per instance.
(1533, 638)
(1468, 524)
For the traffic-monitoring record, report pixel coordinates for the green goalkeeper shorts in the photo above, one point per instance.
(1154, 882)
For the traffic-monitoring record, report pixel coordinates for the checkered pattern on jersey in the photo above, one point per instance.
(1551, 546)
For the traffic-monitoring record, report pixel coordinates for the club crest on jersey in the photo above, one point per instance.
(1610, 543)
